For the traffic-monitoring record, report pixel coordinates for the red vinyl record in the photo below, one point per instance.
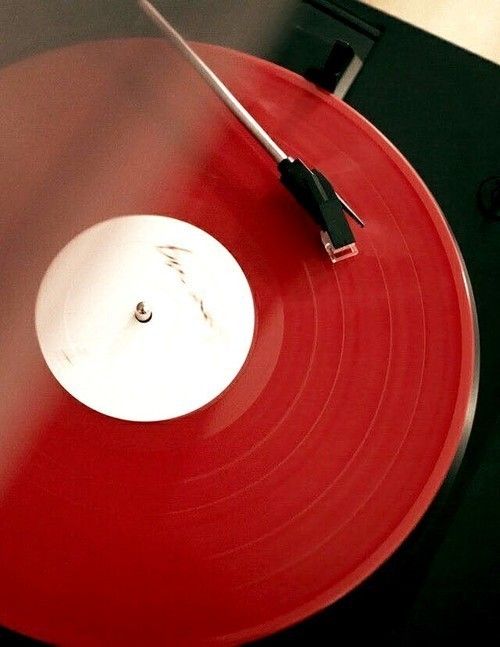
(310, 469)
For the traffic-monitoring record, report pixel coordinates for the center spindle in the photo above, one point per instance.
(143, 312)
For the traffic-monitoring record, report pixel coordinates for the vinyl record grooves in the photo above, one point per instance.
(310, 469)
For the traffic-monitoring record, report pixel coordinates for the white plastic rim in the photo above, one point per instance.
(193, 347)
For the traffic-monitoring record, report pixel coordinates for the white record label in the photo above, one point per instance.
(167, 357)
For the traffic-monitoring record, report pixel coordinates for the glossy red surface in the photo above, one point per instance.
(314, 465)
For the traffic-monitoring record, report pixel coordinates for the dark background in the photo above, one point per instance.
(440, 105)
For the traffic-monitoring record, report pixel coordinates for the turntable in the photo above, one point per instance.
(240, 345)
